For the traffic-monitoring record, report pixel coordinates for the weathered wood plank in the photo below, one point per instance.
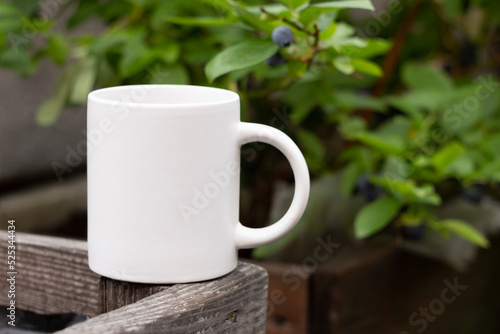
(52, 275)
(235, 303)
(114, 294)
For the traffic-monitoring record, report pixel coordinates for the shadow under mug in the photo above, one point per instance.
(163, 183)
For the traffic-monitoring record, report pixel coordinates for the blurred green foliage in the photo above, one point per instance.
(422, 131)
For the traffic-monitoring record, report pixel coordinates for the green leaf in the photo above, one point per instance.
(83, 12)
(49, 111)
(135, 55)
(167, 52)
(463, 166)
(296, 5)
(103, 44)
(253, 20)
(239, 56)
(58, 49)
(351, 126)
(19, 61)
(491, 170)
(311, 144)
(344, 65)
(6, 9)
(425, 77)
(349, 177)
(408, 190)
(466, 231)
(28, 7)
(300, 5)
(169, 74)
(200, 21)
(430, 100)
(313, 149)
(366, 67)
(272, 8)
(374, 47)
(375, 216)
(397, 126)
(444, 157)
(352, 100)
(83, 82)
(296, 69)
(340, 34)
(358, 4)
(403, 105)
(12, 24)
(217, 4)
(381, 143)
(452, 8)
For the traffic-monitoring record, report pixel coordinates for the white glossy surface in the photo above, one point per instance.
(163, 183)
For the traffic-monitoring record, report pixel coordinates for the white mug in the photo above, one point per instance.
(163, 183)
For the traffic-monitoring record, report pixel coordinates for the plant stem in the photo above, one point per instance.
(315, 45)
(392, 57)
(289, 22)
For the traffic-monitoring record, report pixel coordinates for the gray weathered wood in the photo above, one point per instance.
(235, 303)
(52, 275)
(114, 294)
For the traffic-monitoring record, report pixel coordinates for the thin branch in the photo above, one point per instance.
(315, 47)
(316, 36)
(392, 57)
(289, 22)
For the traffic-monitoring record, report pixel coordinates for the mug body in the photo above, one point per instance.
(163, 182)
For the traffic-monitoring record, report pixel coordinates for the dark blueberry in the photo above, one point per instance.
(473, 194)
(275, 60)
(468, 54)
(282, 36)
(367, 189)
(413, 233)
(466, 5)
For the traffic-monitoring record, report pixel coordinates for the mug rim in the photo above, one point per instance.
(224, 96)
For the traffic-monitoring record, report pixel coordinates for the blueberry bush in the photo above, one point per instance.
(403, 101)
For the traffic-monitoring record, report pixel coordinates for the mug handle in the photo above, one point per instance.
(254, 237)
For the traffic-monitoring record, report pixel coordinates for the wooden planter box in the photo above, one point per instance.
(385, 290)
(53, 277)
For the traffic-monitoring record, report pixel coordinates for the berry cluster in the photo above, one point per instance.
(413, 233)
(473, 194)
(367, 189)
(283, 37)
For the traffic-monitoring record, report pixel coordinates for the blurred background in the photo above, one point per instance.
(395, 105)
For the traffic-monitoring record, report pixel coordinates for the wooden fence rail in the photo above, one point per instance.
(53, 277)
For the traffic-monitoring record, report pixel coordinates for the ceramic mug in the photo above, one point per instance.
(163, 182)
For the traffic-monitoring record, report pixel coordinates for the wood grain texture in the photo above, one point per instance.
(114, 294)
(53, 275)
(235, 303)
